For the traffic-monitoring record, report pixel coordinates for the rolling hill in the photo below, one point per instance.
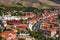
(47, 2)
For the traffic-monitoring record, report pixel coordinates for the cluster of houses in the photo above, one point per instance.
(50, 25)
(10, 17)
(12, 23)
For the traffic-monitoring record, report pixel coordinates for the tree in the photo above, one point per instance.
(21, 39)
(32, 33)
(0, 38)
(21, 20)
(19, 4)
(38, 35)
(49, 38)
(59, 16)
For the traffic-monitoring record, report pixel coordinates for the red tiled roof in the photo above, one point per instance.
(21, 26)
(52, 17)
(36, 19)
(11, 39)
(14, 21)
(28, 14)
(5, 34)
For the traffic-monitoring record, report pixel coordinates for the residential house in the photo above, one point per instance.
(26, 37)
(8, 35)
(20, 26)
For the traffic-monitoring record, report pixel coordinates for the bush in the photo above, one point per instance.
(19, 4)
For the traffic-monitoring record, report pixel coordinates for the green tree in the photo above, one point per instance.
(0, 38)
(19, 4)
(38, 35)
(21, 39)
(59, 16)
(48, 38)
(21, 20)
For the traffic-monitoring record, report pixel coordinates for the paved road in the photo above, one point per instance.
(37, 25)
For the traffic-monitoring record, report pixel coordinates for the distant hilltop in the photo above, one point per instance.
(50, 2)
(33, 1)
(47, 2)
(6, 1)
(56, 1)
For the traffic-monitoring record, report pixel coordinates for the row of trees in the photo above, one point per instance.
(5, 9)
(31, 9)
(38, 35)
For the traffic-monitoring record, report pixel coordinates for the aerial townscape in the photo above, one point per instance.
(29, 19)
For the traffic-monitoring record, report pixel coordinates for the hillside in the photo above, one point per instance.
(56, 1)
(47, 2)
(51, 3)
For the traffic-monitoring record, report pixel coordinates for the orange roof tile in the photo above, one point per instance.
(5, 34)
